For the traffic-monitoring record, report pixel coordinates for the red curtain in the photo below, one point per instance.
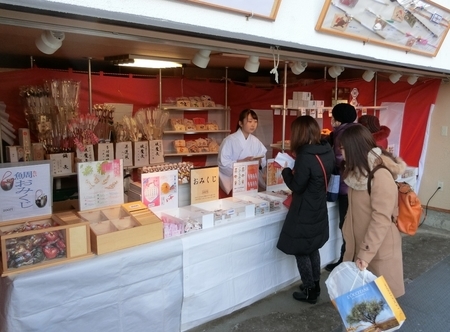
(144, 92)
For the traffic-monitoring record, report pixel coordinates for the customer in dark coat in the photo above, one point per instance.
(343, 117)
(306, 229)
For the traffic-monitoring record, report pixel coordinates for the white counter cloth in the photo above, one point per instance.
(136, 289)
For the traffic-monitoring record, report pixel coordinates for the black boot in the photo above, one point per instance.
(316, 283)
(330, 267)
(308, 295)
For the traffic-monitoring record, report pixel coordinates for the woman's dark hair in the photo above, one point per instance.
(357, 141)
(244, 115)
(304, 130)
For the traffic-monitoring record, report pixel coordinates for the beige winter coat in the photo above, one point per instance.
(368, 229)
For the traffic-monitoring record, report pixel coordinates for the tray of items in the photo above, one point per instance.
(226, 210)
(184, 220)
(122, 226)
(261, 206)
(31, 245)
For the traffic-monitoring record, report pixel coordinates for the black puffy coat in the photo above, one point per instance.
(306, 226)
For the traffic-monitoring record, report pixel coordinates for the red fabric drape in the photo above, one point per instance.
(144, 92)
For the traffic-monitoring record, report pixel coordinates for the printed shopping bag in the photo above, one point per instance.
(333, 188)
(364, 302)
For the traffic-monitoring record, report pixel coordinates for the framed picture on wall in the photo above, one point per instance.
(410, 25)
(267, 9)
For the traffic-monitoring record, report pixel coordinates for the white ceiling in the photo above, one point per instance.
(88, 39)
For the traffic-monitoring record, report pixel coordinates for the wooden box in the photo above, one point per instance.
(39, 243)
(122, 226)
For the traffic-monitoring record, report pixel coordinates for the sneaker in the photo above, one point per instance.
(330, 267)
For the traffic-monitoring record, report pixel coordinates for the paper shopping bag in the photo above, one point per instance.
(371, 307)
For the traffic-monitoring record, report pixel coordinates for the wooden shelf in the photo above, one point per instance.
(326, 108)
(190, 154)
(195, 132)
(194, 109)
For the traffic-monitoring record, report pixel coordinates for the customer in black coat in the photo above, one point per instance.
(305, 229)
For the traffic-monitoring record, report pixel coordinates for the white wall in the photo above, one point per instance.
(294, 26)
(437, 162)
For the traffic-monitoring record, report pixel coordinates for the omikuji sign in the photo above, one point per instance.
(26, 190)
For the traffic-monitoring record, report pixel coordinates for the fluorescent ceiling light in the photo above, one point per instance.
(142, 61)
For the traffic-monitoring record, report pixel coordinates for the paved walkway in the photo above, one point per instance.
(427, 274)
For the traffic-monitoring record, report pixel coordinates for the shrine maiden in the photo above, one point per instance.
(240, 146)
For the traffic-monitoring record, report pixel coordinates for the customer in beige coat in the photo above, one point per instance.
(372, 239)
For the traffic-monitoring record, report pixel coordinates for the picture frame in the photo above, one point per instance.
(266, 9)
(416, 26)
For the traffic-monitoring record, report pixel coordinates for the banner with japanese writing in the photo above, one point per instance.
(204, 184)
(26, 190)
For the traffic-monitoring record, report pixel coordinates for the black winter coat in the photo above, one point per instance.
(306, 226)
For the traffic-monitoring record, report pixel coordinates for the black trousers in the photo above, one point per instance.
(309, 268)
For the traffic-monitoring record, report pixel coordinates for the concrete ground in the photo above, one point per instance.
(279, 312)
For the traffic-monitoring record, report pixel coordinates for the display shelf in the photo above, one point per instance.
(327, 108)
(218, 115)
(195, 109)
(175, 132)
(174, 154)
(280, 147)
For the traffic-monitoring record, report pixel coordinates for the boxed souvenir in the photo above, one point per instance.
(104, 151)
(275, 202)
(124, 151)
(122, 226)
(184, 220)
(62, 163)
(140, 153)
(56, 239)
(261, 206)
(86, 155)
(226, 210)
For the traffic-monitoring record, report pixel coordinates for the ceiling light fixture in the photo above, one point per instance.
(49, 41)
(394, 77)
(298, 67)
(335, 71)
(201, 58)
(412, 79)
(252, 64)
(368, 75)
(142, 61)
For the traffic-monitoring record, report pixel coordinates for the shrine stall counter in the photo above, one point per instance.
(169, 285)
(230, 266)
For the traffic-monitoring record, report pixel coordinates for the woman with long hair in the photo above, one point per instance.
(372, 239)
